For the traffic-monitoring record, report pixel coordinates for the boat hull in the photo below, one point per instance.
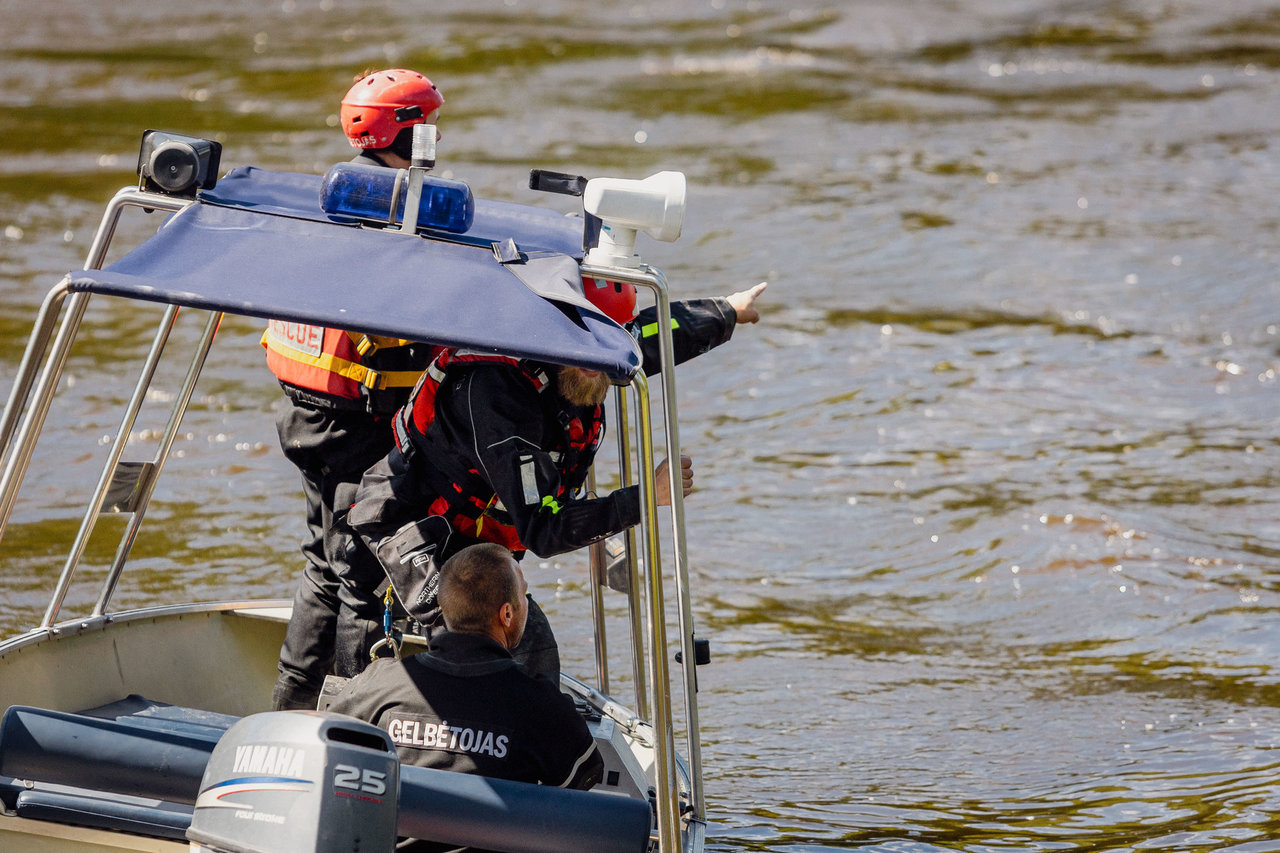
(217, 657)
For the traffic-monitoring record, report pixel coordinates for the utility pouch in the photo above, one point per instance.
(409, 559)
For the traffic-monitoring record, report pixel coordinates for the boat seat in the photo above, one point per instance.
(139, 711)
(133, 766)
(103, 755)
(155, 818)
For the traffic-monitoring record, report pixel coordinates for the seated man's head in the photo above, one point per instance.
(482, 591)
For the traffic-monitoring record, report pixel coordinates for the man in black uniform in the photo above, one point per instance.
(342, 390)
(497, 449)
(465, 704)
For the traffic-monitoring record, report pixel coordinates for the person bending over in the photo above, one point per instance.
(497, 449)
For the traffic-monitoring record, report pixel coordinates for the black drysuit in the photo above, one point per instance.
(499, 441)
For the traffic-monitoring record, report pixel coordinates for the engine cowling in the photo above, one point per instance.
(298, 782)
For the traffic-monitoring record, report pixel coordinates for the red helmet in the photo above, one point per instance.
(616, 300)
(378, 106)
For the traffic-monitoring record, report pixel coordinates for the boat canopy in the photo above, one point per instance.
(259, 245)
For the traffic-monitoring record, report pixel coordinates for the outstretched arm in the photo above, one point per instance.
(698, 325)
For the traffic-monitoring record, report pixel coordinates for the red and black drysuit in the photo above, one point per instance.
(502, 458)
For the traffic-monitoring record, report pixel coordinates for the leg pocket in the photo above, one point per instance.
(409, 559)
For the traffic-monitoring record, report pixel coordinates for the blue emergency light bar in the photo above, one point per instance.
(368, 192)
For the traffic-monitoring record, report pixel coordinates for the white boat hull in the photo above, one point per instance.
(217, 657)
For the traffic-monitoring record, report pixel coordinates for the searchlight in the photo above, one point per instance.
(173, 164)
(655, 205)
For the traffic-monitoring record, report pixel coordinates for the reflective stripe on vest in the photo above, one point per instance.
(324, 359)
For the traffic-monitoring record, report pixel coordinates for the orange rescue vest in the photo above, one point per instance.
(331, 361)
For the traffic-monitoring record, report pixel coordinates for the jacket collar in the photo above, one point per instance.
(456, 649)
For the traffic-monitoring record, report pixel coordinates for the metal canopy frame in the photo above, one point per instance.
(126, 487)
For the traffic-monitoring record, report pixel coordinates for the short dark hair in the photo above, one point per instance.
(402, 145)
(474, 583)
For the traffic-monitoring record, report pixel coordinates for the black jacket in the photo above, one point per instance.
(465, 705)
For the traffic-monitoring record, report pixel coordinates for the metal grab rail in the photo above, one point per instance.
(653, 279)
(633, 569)
(17, 451)
(37, 397)
(39, 341)
(596, 584)
(599, 579)
(94, 509)
(660, 716)
(143, 499)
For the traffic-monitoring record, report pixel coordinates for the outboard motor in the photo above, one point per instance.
(298, 782)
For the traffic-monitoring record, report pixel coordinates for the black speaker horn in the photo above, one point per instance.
(174, 164)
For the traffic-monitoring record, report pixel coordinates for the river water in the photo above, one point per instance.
(986, 533)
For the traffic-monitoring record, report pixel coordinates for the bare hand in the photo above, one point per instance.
(663, 482)
(744, 303)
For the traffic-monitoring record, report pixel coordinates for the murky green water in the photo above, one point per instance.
(986, 531)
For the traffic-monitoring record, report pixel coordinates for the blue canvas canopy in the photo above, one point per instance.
(260, 245)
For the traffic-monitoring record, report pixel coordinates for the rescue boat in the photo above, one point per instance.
(136, 729)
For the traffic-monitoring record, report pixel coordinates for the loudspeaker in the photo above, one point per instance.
(173, 164)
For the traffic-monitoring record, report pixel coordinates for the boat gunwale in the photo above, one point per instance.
(88, 624)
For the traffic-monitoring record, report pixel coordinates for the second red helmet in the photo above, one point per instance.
(616, 300)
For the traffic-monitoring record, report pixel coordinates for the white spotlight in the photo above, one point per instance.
(654, 205)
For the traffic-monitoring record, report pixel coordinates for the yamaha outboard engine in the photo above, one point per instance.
(298, 782)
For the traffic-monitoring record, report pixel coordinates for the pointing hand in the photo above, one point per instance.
(744, 303)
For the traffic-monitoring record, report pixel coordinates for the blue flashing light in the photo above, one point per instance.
(364, 192)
